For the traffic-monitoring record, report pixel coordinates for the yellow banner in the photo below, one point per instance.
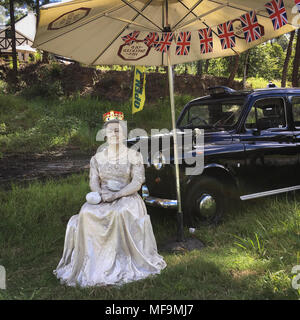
(138, 94)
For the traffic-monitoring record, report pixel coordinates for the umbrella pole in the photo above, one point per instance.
(179, 209)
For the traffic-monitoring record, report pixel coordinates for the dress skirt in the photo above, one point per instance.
(109, 244)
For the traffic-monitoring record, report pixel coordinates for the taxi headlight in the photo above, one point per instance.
(158, 161)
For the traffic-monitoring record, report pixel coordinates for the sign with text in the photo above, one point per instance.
(138, 94)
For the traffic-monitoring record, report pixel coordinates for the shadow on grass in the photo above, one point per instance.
(187, 276)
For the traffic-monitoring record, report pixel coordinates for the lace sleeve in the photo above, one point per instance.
(137, 178)
(94, 176)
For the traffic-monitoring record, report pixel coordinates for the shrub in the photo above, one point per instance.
(51, 89)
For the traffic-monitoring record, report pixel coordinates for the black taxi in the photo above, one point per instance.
(251, 150)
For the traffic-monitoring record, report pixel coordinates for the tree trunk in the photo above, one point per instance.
(245, 69)
(234, 69)
(199, 67)
(287, 60)
(45, 58)
(13, 40)
(206, 66)
(37, 10)
(295, 74)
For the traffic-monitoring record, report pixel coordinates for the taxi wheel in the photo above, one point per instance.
(204, 203)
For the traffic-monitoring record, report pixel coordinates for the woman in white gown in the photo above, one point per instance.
(112, 242)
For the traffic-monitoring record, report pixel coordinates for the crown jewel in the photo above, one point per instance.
(113, 115)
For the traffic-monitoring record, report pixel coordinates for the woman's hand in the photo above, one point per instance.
(109, 196)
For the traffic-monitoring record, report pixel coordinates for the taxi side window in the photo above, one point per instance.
(266, 114)
(296, 111)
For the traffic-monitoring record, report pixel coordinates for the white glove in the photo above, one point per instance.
(93, 198)
(114, 185)
(109, 196)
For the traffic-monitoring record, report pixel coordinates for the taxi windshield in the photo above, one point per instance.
(215, 114)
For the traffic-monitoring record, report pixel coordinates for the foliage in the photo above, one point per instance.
(47, 84)
(18, 5)
(258, 83)
(39, 125)
(48, 132)
(265, 61)
(3, 86)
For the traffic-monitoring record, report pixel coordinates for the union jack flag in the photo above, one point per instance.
(297, 3)
(152, 39)
(183, 43)
(165, 42)
(226, 35)
(250, 26)
(131, 37)
(206, 40)
(277, 13)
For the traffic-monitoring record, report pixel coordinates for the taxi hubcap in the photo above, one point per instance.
(207, 205)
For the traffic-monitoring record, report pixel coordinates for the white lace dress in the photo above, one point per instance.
(111, 242)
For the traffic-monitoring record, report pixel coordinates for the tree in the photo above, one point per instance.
(265, 61)
(234, 69)
(283, 41)
(199, 67)
(206, 66)
(45, 58)
(37, 10)
(13, 39)
(295, 73)
(11, 6)
(246, 67)
(287, 59)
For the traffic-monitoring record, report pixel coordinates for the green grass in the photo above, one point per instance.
(259, 83)
(40, 125)
(249, 256)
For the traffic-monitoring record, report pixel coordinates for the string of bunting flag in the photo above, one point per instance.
(250, 27)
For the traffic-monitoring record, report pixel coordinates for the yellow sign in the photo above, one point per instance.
(139, 83)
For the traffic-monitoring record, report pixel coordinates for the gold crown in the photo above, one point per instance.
(113, 115)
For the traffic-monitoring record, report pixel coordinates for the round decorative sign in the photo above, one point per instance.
(68, 18)
(134, 51)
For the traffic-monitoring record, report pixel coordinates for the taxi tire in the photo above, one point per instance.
(192, 213)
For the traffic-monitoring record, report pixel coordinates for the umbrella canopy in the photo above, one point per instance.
(141, 32)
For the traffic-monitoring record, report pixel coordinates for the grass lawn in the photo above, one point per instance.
(39, 125)
(249, 256)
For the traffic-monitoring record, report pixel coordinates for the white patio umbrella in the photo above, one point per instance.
(161, 33)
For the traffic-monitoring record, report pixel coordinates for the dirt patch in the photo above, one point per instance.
(187, 245)
(26, 168)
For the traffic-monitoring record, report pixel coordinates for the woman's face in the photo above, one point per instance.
(114, 133)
